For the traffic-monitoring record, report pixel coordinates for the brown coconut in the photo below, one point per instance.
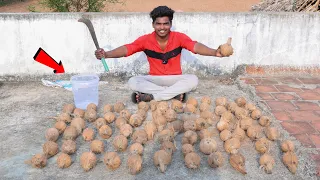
(160, 121)
(240, 113)
(64, 161)
(90, 115)
(120, 143)
(290, 160)
(193, 101)
(225, 135)
(70, 133)
(143, 114)
(38, 161)
(272, 133)
(176, 126)
(177, 106)
(68, 108)
(287, 146)
(161, 159)
(188, 116)
(245, 123)
(78, 113)
(92, 106)
(187, 148)
(231, 106)
(222, 125)
(232, 145)
(239, 133)
(88, 160)
(201, 124)
(140, 136)
(69, 147)
(120, 121)
(166, 135)
(125, 114)
(79, 124)
(208, 146)
(109, 117)
(206, 114)
(88, 134)
(264, 121)
(205, 133)
(136, 148)
(97, 146)
(206, 100)
(100, 122)
(254, 132)
(168, 146)
(190, 108)
(266, 162)
(162, 107)
(151, 129)
(153, 105)
(192, 160)
(216, 159)
(221, 101)
(226, 49)
(50, 148)
(143, 105)
(204, 107)
(64, 117)
(52, 134)
(189, 137)
(135, 120)
(105, 132)
(118, 107)
(241, 101)
(126, 130)
(250, 107)
(262, 145)
(237, 161)
(60, 126)
(108, 108)
(256, 114)
(190, 125)
(134, 163)
(112, 160)
(219, 110)
(171, 115)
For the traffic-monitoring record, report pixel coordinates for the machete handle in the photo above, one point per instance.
(106, 68)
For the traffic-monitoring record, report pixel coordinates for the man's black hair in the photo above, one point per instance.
(162, 11)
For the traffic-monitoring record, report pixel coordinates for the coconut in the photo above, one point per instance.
(232, 145)
(237, 161)
(151, 129)
(143, 105)
(88, 134)
(168, 146)
(78, 113)
(126, 130)
(208, 146)
(187, 148)
(64, 117)
(107, 108)
(118, 107)
(60, 126)
(142, 113)
(166, 135)
(176, 126)
(221, 101)
(160, 121)
(250, 107)
(109, 117)
(266, 162)
(190, 108)
(162, 107)
(201, 124)
(120, 121)
(290, 160)
(227, 116)
(68, 108)
(38, 161)
(100, 122)
(92, 106)
(88, 160)
(225, 135)
(69, 147)
(177, 106)
(112, 160)
(193, 101)
(207, 114)
(215, 159)
(136, 148)
(64, 161)
(256, 114)
(171, 115)
(265, 121)
(241, 101)
(222, 125)
(287, 146)
(125, 114)
(192, 160)
(189, 125)
(135, 120)
(262, 145)
(188, 116)
(226, 49)
(97, 146)
(204, 107)
(254, 132)
(70, 133)
(52, 134)
(105, 132)
(239, 133)
(189, 137)
(231, 106)
(272, 133)
(50, 148)
(140, 136)
(206, 100)
(204, 133)
(79, 124)
(161, 159)
(245, 123)
(90, 115)
(219, 110)
(134, 163)
(120, 143)
(153, 105)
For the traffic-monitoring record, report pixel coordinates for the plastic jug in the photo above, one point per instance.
(85, 88)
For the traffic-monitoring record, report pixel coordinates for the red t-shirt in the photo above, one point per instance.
(161, 62)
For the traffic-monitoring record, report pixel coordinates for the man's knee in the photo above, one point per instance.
(193, 79)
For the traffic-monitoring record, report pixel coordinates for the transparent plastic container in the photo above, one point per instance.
(85, 88)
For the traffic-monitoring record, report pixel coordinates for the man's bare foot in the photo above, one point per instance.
(141, 97)
(180, 97)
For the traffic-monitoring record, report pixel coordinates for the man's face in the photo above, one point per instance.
(162, 26)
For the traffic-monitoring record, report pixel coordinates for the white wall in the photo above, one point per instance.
(263, 39)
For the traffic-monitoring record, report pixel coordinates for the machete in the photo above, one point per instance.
(88, 23)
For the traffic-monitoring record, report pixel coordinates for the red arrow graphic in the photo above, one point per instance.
(44, 58)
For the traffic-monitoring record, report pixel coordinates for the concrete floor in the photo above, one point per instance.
(26, 106)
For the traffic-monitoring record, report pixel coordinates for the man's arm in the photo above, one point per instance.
(117, 53)
(204, 50)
